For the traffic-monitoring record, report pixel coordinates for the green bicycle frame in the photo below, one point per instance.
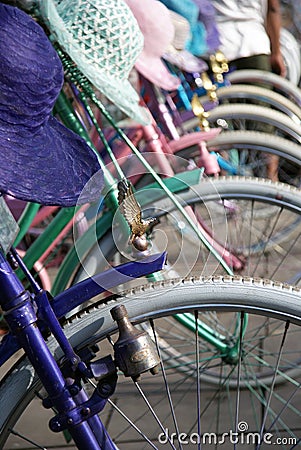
(103, 224)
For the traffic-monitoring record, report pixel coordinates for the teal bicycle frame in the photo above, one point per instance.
(167, 187)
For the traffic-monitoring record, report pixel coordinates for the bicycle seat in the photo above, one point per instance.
(41, 160)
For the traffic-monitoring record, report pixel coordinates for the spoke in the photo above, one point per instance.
(264, 388)
(272, 275)
(218, 412)
(166, 383)
(159, 402)
(287, 404)
(127, 419)
(236, 223)
(21, 436)
(263, 401)
(250, 237)
(131, 423)
(154, 414)
(242, 316)
(273, 381)
(269, 237)
(215, 395)
(198, 376)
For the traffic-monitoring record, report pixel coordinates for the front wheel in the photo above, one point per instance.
(244, 333)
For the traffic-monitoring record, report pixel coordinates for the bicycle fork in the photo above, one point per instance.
(75, 411)
(22, 320)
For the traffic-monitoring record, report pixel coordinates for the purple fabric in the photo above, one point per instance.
(40, 159)
(207, 17)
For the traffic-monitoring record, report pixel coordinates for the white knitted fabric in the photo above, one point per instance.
(103, 38)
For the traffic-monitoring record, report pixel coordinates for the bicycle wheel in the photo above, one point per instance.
(280, 84)
(250, 117)
(248, 153)
(246, 398)
(255, 224)
(256, 118)
(249, 94)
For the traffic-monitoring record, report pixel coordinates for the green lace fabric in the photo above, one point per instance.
(8, 227)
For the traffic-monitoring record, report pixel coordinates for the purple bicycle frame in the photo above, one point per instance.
(27, 322)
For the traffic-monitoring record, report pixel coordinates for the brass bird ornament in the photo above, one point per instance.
(131, 210)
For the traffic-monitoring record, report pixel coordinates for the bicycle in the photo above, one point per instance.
(248, 117)
(77, 411)
(21, 385)
(64, 308)
(231, 190)
(238, 152)
(7, 346)
(287, 88)
(214, 94)
(29, 260)
(64, 216)
(234, 116)
(103, 230)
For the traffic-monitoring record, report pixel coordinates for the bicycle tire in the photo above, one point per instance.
(266, 302)
(266, 142)
(249, 116)
(251, 151)
(286, 87)
(230, 187)
(260, 95)
(262, 255)
(254, 115)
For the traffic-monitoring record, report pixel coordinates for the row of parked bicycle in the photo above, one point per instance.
(214, 158)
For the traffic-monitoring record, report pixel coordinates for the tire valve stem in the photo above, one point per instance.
(134, 350)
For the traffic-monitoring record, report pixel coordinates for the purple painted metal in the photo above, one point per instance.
(82, 292)
(20, 314)
(11, 286)
(89, 288)
(88, 432)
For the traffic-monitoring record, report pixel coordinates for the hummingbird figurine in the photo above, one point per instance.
(131, 210)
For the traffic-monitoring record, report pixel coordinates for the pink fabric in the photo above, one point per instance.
(155, 23)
